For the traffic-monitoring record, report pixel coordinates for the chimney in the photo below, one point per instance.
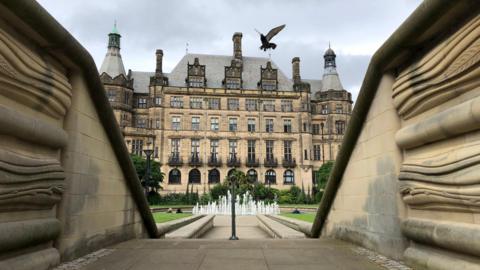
(158, 70)
(296, 70)
(237, 45)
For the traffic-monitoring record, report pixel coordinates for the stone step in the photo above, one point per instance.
(277, 230)
(193, 230)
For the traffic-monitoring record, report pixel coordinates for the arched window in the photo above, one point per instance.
(270, 177)
(252, 176)
(288, 177)
(213, 176)
(194, 176)
(174, 177)
(230, 172)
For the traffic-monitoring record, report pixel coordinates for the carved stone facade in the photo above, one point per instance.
(215, 113)
(409, 185)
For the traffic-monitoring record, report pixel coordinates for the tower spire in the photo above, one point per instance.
(114, 37)
(113, 64)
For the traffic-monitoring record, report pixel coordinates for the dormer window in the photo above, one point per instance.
(196, 74)
(233, 75)
(268, 78)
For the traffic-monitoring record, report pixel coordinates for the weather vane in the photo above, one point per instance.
(266, 44)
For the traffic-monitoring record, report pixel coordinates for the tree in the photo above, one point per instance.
(322, 176)
(152, 185)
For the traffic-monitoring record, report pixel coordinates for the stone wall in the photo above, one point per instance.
(67, 185)
(407, 181)
(367, 209)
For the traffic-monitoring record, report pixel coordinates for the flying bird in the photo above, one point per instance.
(266, 44)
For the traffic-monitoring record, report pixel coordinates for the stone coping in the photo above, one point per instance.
(298, 225)
(277, 229)
(166, 227)
(193, 230)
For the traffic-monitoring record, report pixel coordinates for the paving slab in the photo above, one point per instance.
(247, 228)
(212, 254)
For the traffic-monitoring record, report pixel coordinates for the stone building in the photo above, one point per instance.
(213, 113)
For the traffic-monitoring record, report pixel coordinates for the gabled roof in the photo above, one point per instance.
(141, 81)
(215, 71)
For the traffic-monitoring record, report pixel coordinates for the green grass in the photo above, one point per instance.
(309, 206)
(173, 206)
(308, 217)
(161, 217)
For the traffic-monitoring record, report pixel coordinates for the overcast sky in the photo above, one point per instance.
(355, 29)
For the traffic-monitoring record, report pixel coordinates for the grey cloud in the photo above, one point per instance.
(355, 28)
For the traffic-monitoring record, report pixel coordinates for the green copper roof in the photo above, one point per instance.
(115, 30)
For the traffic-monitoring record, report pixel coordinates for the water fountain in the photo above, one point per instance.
(244, 207)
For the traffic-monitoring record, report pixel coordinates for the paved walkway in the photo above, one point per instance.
(247, 228)
(199, 254)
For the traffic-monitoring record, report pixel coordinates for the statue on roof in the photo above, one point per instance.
(266, 44)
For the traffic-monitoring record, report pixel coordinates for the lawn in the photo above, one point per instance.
(308, 217)
(309, 206)
(161, 217)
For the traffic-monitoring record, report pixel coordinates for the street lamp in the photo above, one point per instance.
(233, 183)
(148, 171)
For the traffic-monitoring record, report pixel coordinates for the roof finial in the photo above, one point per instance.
(186, 48)
(329, 44)
(115, 30)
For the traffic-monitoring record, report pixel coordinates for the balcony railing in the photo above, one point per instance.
(289, 163)
(253, 162)
(195, 160)
(175, 160)
(214, 161)
(270, 162)
(233, 161)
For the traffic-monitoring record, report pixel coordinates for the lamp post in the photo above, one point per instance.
(233, 183)
(148, 171)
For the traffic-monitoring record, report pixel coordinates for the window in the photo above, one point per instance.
(269, 149)
(288, 177)
(158, 101)
(287, 106)
(176, 125)
(316, 152)
(112, 95)
(325, 109)
(176, 102)
(251, 150)
(155, 152)
(339, 108)
(194, 177)
(232, 124)
(142, 103)
(305, 154)
(127, 98)
(137, 147)
(232, 83)
(141, 123)
(268, 125)
(305, 127)
(213, 176)
(287, 125)
(175, 148)
(214, 123)
(269, 105)
(269, 85)
(196, 102)
(251, 104)
(174, 177)
(195, 144)
(232, 149)
(233, 104)
(214, 103)
(195, 123)
(251, 124)
(157, 123)
(252, 176)
(196, 81)
(316, 129)
(287, 150)
(340, 127)
(214, 149)
(270, 177)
